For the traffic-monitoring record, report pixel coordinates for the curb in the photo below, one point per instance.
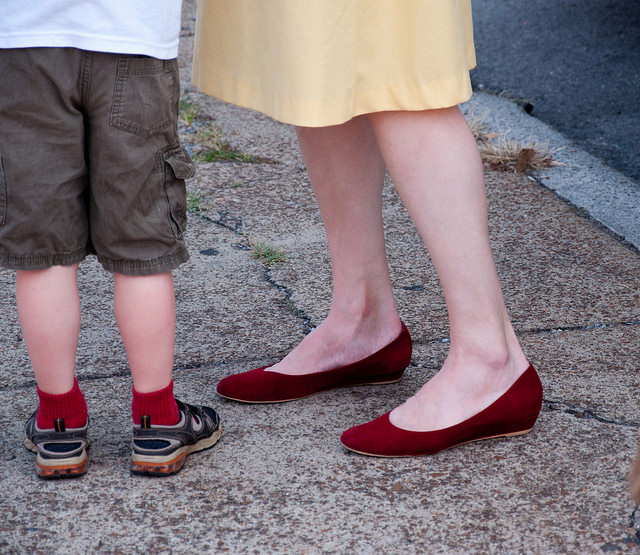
(608, 196)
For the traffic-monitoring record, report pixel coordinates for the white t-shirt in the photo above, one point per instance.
(150, 27)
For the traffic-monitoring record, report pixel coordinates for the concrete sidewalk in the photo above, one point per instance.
(279, 480)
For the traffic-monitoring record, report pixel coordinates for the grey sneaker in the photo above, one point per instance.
(162, 450)
(62, 452)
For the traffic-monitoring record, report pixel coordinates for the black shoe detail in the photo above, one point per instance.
(162, 450)
(62, 451)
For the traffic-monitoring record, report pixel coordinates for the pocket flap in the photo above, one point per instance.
(181, 163)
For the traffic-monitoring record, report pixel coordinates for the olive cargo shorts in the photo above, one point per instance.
(90, 161)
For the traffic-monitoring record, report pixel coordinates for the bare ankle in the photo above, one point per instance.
(362, 315)
(492, 356)
(499, 351)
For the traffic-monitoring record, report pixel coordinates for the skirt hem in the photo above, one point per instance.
(327, 112)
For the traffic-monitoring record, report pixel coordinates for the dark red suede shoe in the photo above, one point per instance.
(512, 414)
(259, 386)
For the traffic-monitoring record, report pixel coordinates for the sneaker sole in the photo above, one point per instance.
(149, 465)
(52, 469)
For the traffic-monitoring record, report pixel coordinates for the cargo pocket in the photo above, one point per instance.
(145, 95)
(3, 194)
(177, 167)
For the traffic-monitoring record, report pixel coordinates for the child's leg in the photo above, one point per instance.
(165, 430)
(145, 312)
(49, 312)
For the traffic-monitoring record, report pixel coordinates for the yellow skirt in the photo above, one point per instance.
(321, 62)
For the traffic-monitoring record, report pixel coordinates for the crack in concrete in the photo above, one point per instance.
(603, 325)
(125, 372)
(588, 414)
(234, 224)
(238, 227)
(288, 301)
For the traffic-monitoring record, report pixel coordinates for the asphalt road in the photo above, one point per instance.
(576, 62)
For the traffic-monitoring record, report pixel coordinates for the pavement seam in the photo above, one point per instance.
(126, 373)
(635, 321)
(603, 325)
(550, 405)
(238, 223)
(239, 228)
(290, 305)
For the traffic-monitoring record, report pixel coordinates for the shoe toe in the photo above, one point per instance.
(240, 387)
(370, 438)
(349, 438)
(255, 386)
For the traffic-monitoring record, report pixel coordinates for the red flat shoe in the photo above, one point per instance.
(514, 413)
(258, 386)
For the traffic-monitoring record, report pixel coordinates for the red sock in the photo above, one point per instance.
(159, 406)
(70, 406)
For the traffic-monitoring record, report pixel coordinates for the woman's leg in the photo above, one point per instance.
(347, 174)
(435, 164)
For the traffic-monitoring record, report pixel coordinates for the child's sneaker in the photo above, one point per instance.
(62, 452)
(162, 450)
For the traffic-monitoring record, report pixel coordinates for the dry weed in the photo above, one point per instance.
(477, 125)
(500, 152)
(503, 153)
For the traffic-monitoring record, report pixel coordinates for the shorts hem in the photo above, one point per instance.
(43, 261)
(160, 265)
